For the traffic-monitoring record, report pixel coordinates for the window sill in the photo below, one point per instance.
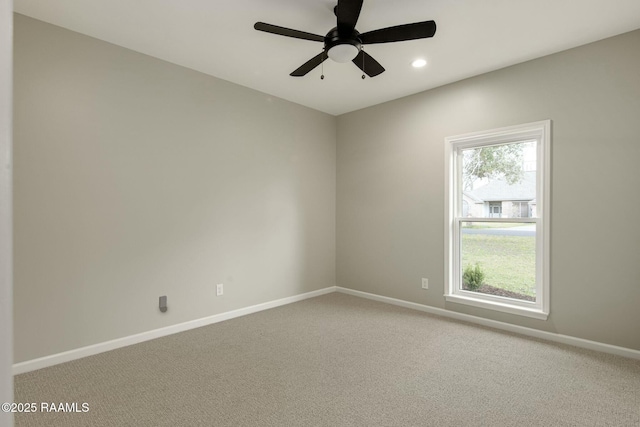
(504, 307)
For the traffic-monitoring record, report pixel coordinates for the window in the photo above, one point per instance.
(498, 257)
(521, 210)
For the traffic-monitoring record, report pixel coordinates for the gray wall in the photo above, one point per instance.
(6, 303)
(136, 178)
(390, 197)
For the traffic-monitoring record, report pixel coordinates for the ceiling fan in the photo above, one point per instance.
(344, 43)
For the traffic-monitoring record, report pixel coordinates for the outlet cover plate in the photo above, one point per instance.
(425, 283)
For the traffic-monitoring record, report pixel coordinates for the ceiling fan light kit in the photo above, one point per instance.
(343, 52)
(341, 49)
(344, 43)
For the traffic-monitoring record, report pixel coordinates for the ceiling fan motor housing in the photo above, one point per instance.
(340, 48)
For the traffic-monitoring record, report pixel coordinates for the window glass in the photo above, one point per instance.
(499, 259)
(499, 181)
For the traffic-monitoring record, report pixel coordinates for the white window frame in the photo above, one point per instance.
(541, 133)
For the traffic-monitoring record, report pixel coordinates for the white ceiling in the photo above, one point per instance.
(217, 37)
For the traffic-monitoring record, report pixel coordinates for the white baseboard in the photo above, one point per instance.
(549, 336)
(67, 356)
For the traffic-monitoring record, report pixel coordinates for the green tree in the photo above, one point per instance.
(492, 162)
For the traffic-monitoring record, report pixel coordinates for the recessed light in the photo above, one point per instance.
(419, 63)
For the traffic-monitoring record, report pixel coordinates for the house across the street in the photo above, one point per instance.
(500, 199)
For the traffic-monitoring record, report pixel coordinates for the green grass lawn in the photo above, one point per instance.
(509, 262)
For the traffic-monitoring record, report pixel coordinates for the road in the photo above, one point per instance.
(524, 231)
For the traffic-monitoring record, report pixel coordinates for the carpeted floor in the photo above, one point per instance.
(339, 360)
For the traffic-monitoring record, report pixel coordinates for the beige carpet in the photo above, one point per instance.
(338, 360)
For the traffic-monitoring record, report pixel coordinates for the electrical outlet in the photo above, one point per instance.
(219, 289)
(163, 304)
(425, 283)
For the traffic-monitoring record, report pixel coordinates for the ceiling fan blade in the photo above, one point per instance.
(310, 65)
(417, 30)
(347, 12)
(367, 64)
(288, 32)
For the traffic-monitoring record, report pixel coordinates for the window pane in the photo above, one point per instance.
(499, 259)
(499, 181)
